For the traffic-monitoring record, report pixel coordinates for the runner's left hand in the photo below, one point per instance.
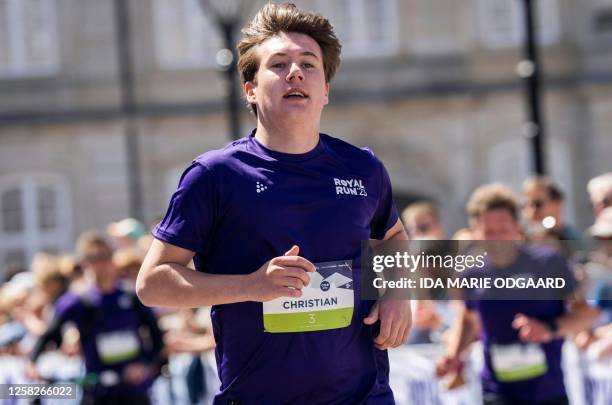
(531, 329)
(395, 320)
(136, 373)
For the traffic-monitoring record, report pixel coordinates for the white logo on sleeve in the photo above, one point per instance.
(260, 187)
(350, 187)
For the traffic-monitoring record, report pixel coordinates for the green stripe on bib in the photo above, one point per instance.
(308, 321)
(522, 374)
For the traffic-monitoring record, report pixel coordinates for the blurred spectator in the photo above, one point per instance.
(600, 191)
(36, 308)
(14, 307)
(550, 237)
(602, 228)
(12, 270)
(73, 271)
(50, 278)
(125, 233)
(190, 331)
(422, 221)
(543, 204)
(598, 272)
(463, 234)
(128, 262)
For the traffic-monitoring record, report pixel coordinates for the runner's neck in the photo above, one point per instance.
(288, 141)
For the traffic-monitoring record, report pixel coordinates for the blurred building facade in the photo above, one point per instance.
(430, 85)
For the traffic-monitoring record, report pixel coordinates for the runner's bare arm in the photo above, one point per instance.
(579, 317)
(164, 279)
(396, 232)
(461, 334)
(464, 331)
(395, 315)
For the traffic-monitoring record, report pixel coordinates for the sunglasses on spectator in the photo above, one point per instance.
(535, 204)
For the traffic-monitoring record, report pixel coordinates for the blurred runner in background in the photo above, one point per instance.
(522, 340)
(120, 340)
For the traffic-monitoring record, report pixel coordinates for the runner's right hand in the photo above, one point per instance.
(283, 276)
(447, 364)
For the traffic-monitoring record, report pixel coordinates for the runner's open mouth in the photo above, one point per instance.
(297, 94)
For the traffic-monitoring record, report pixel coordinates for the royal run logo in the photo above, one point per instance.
(350, 187)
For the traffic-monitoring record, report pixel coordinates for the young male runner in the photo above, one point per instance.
(258, 217)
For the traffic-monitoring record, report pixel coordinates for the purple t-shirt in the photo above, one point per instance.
(239, 207)
(497, 316)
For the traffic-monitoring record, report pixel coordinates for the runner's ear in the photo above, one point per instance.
(249, 92)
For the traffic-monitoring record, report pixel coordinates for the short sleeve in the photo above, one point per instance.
(191, 213)
(386, 213)
(68, 308)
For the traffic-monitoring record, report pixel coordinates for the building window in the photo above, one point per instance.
(501, 22)
(602, 20)
(46, 199)
(12, 217)
(436, 27)
(35, 216)
(184, 36)
(600, 23)
(365, 27)
(28, 38)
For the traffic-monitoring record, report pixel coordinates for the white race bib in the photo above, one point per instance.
(517, 362)
(115, 347)
(326, 303)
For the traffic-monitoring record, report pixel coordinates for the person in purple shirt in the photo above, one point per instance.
(521, 339)
(121, 361)
(274, 222)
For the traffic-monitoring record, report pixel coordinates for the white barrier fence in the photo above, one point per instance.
(588, 381)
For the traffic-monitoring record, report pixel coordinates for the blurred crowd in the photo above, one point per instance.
(59, 303)
(83, 306)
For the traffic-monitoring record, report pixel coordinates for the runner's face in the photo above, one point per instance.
(496, 224)
(290, 82)
(98, 260)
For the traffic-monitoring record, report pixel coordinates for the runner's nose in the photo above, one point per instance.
(295, 73)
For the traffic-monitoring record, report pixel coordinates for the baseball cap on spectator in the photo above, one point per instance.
(126, 228)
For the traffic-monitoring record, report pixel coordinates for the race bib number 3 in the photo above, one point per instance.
(326, 303)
